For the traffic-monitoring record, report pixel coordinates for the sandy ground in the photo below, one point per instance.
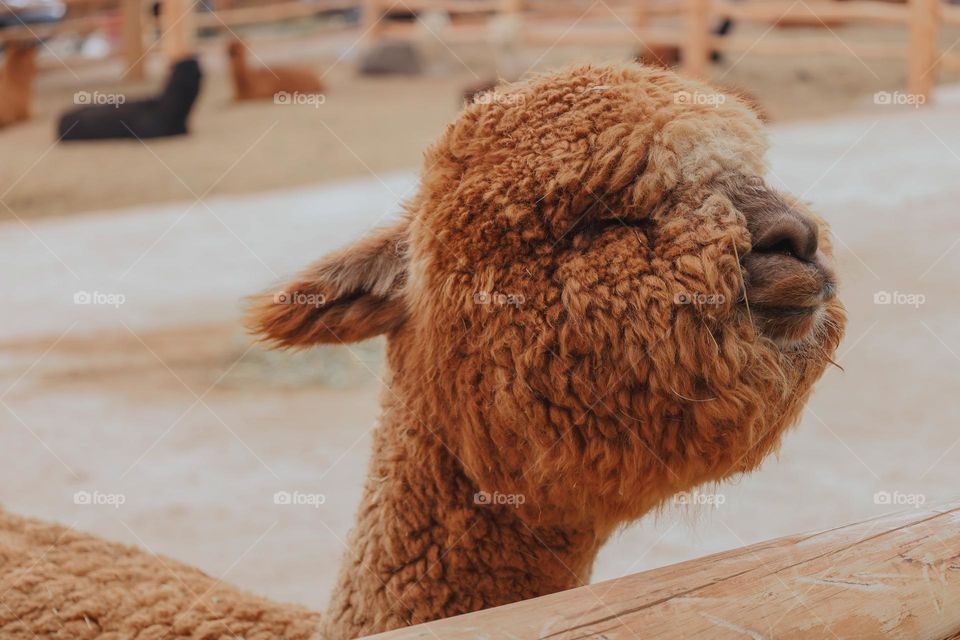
(365, 126)
(162, 399)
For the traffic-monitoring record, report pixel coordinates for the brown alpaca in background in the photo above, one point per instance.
(16, 82)
(666, 56)
(592, 303)
(266, 82)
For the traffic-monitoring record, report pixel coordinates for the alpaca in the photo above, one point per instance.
(59, 583)
(659, 55)
(592, 303)
(592, 285)
(263, 83)
(16, 82)
(477, 89)
(165, 115)
(391, 57)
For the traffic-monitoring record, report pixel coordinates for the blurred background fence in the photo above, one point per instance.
(137, 29)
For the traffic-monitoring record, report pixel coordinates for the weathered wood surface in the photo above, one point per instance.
(226, 18)
(772, 11)
(177, 29)
(896, 576)
(809, 45)
(922, 59)
(547, 22)
(133, 51)
(696, 43)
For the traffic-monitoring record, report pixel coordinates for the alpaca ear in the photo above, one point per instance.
(350, 295)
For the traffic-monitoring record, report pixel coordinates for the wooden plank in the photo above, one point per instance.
(641, 16)
(86, 24)
(269, 13)
(453, 7)
(696, 44)
(466, 33)
(550, 34)
(601, 10)
(770, 11)
(78, 62)
(177, 28)
(133, 53)
(371, 21)
(810, 45)
(924, 31)
(896, 576)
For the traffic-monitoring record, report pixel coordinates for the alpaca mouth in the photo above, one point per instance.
(787, 326)
(785, 311)
(790, 324)
(787, 297)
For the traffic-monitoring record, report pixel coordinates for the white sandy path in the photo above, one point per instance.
(186, 263)
(886, 180)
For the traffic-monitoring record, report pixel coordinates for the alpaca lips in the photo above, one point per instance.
(788, 278)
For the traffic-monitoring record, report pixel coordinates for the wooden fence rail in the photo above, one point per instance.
(896, 576)
(690, 22)
(685, 24)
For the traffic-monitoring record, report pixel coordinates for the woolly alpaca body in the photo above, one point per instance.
(548, 339)
(265, 83)
(59, 583)
(16, 83)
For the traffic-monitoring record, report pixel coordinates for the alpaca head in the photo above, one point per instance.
(594, 300)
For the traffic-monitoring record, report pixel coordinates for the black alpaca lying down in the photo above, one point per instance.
(165, 115)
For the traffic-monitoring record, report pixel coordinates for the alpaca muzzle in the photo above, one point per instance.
(788, 277)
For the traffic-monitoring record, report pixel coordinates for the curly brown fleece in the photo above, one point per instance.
(59, 583)
(546, 384)
(570, 342)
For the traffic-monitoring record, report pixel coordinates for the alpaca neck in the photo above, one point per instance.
(423, 548)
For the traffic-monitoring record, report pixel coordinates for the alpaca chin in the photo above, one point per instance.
(789, 332)
(819, 331)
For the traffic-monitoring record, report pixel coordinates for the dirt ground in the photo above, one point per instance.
(164, 401)
(366, 126)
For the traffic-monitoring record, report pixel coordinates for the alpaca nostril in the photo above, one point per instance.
(791, 235)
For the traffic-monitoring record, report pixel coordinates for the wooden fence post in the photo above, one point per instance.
(177, 28)
(641, 17)
(512, 10)
(133, 39)
(372, 21)
(506, 33)
(696, 48)
(922, 54)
